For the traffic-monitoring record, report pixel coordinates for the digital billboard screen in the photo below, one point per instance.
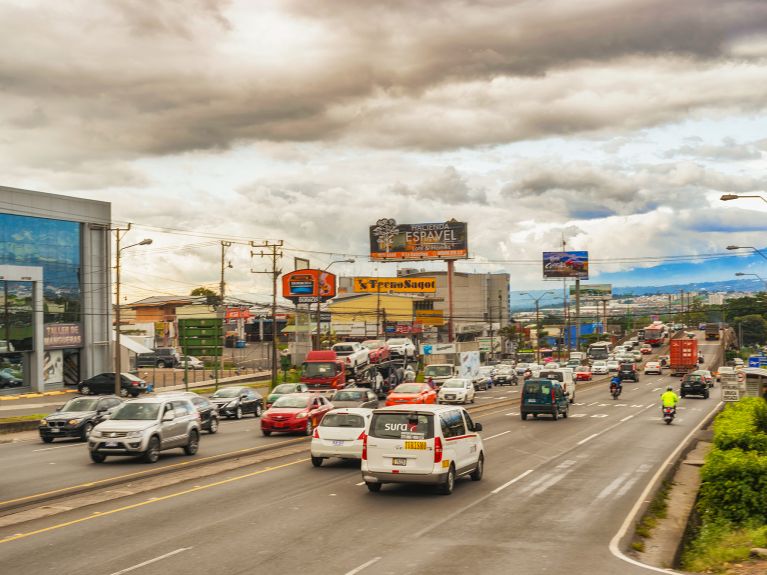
(570, 265)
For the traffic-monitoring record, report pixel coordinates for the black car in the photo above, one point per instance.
(77, 417)
(161, 357)
(237, 401)
(505, 375)
(105, 383)
(7, 379)
(355, 397)
(694, 385)
(209, 416)
(628, 372)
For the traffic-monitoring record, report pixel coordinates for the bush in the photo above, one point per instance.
(742, 425)
(734, 487)
(718, 544)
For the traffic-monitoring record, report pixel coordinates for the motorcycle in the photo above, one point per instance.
(615, 390)
(668, 414)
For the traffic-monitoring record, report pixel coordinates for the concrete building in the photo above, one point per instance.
(55, 288)
(715, 299)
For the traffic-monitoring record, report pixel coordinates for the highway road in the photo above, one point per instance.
(553, 496)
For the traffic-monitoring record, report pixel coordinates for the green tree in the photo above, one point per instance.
(211, 297)
(754, 328)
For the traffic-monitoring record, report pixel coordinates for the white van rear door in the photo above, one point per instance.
(401, 442)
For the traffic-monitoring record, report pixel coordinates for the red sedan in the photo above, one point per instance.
(379, 351)
(295, 412)
(583, 374)
(411, 393)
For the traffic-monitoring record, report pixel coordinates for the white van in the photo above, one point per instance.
(431, 444)
(565, 376)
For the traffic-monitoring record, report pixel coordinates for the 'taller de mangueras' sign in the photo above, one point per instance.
(395, 285)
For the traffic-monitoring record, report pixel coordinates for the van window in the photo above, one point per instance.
(537, 388)
(402, 425)
(469, 422)
(452, 424)
(342, 420)
(553, 375)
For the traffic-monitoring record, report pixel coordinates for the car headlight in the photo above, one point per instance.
(43, 422)
(95, 433)
(74, 421)
(134, 434)
(302, 415)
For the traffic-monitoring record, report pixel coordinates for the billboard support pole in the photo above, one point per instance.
(450, 269)
(577, 314)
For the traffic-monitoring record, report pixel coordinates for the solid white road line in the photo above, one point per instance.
(360, 483)
(496, 435)
(512, 482)
(150, 561)
(551, 482)
(612, 486)
(589, 438)
(363, 566)
(59, 447)
(627, 418)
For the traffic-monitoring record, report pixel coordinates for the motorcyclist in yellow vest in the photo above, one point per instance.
(669, 398)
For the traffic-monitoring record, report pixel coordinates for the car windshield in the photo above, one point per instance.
(143, 411)
(131, 377)
(80, 404)
(451, 383)
(319, 369)
(349, 396)
(343, 420)
(522, 365)
(290, 401)
(284, 388)
(402, 425)
(599, 363)
(487, 370)
(397, 341)
(227, 392)
(583, 370)
(438, 370)
(408, 388)
(343, 348)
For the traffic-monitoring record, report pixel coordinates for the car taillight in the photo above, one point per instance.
(437, 450)
(361, 437)
(364, 447)
(553, 396)
(316, 434)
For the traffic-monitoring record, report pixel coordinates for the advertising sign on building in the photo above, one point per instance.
(469, 364)
(574, 265)
(430, 316)
(308, 286)
(594, 291)
(395, 285)
(437, 348)
(390, 241)
(62, 335)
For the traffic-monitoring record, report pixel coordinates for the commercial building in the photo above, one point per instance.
(55, 288)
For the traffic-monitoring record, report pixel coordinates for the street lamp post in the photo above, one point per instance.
(347, 261)
(537, 321)
(118, 350)
(728, 197)
(755, 275)
(760, 252)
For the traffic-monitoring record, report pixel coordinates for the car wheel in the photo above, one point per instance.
(98, 457)
(682, 395)
(373, 487)
(705, 395)
(123, 392)
(446, 487)
(555, 414)
(259, 410)
(193, 444)
(160, 364)
(266, 433)
(152, 453)
(85, 389)
(476, 475)
(309, 427)
(565, 413)
(47, 439)
(213, 426)
(238, 413)
(524, 416)
(317, 461)
(87, 428)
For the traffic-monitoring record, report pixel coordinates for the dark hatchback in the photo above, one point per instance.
(694, 385)
(209, 416)
(105, 383)
(544, 396)
(237, 401)
(628, 371)
(355, 397)
(77, 417)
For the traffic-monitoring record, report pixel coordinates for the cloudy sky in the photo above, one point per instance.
(614, 123)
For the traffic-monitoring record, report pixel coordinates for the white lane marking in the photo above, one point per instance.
(626, 486)
(634, 388)
(599, 415)
(363, 566)
(512, 482)
(496, 435)
(593, 403)
(567, 463)
(657, 389)
(627, 418)
(551, 482)
(577, 415)
(150, 561)
(532, 485)
(59, 447)
(612, 486)
(589, 438)
(512, 413)
(360, 483)
(620, 404)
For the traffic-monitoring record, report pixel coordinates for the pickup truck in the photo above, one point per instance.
(160, 357)
(354, 354)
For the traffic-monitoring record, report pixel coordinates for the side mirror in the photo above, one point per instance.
(244, 396)
(58, 408)
(477, 427)
(168, 416)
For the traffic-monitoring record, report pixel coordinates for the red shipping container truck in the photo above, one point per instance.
(683, 356)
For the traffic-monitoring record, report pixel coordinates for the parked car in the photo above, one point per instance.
(653, 367)
(427, 444)
(6, 346)
(378, 351)
(77, 417)
(354, 355)
(599, 367)
(160, 357)
(411, 393)
(297, 412)
(401, 347)
(543, 396)
(694, 384)
(456, 390)
(190, 362)
(7, 379)
(145, 427)
(237, 401)
(583, 373)
(105, 383)
(285, 389)
(341, 433)
(209, 416)
(355, 397)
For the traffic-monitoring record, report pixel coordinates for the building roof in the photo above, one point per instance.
(168, 300)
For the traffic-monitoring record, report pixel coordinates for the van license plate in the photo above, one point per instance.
(415, 445)
(399, 461)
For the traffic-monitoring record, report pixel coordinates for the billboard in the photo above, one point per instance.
(390, 241)
(594, 291)
(558, 265)
(395, 285)
(430, 316)
(308, 286)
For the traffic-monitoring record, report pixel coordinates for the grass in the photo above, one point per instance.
(658, 509)
(717, 546)
(17, 418)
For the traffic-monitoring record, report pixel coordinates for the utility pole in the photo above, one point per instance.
(271, 250)
(500, 320)
(222, 291)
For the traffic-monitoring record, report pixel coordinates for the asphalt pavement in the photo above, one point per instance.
(553, 496)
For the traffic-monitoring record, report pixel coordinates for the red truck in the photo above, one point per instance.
(683, 356)
(323, 370)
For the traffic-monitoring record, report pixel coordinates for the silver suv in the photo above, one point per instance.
(145, 427)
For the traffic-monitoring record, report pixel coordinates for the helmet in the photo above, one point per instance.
(669, 388)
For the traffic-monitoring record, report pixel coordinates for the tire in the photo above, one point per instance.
(668, 421)
(317, 461)
(160, 364)
(134, 394)
(373, 487)
(705, 395)
(479, 470)
(682, 395)
(309, 427)
(524, 416)
(238, 413)
(152, 453)
(87, 428)
(123, 392)
(258, 411)
(98, 457)
(266, 433)
(555, 414)
(47, 439)
(213, 425)
(446, 487)
(85, 389)
(565, 413)
(193, 444)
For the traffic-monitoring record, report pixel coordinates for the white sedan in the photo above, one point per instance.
(613, 365)
(652, 367)
(456, 390)
(599, 367)
(340, 434)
